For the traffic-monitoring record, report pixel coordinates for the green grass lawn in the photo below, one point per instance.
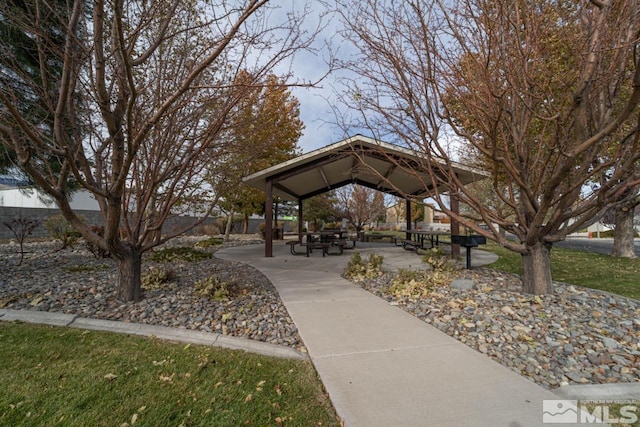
(59, 376)
(617, 275)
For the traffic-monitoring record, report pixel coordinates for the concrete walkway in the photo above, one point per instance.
(382, 366)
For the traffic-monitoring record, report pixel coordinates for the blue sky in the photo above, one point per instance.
(315, 112)
(315, 103)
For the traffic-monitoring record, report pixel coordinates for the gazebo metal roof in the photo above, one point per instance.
(356, 160)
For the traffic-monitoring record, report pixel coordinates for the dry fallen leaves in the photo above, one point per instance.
(166, 378)
(110, 377)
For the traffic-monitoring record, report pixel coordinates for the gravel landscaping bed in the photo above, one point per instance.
(73, 281)
(576, 336)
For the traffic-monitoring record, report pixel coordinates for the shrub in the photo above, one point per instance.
(211, 229)
(61, 229)
(418, 283)
(411, 283)
(375, 263)
(355, 266)
(21, 228)
(278, 224)
(212, 288)
(157, 278)
(181, 253)
(438, 261)
(358, 270)
(212, 241)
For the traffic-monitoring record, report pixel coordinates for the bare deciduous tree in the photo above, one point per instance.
(538, 91)
(359, 205)
(417, 210)
(139, 108)
(620, 217)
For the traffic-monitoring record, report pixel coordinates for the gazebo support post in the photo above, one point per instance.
(408, 216)
(268, 219)
(275, 217)
(300, 220)
(455, 225)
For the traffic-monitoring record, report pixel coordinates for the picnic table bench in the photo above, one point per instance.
(418, 239)
(411, 245)
(335, 247)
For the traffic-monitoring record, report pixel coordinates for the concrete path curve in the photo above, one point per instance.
(382, 366)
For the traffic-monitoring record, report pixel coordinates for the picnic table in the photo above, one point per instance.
(331, 242)
(416, 239)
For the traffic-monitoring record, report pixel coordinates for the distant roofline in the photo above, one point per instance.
(13, 182)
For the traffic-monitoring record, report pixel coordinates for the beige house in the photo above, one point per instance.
(396, 216)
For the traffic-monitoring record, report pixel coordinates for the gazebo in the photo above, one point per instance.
(356, 160)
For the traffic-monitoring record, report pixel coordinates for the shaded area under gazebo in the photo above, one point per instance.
(356, 160)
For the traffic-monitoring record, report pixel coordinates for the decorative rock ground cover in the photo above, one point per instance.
(73, 281)
(576, 336)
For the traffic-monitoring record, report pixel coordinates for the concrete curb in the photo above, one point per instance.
(160, 332)
(41, 317)
(617, 391)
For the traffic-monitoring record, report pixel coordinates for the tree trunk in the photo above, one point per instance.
(129, 274)
(623, 233)
(537, 270)
(227, 230)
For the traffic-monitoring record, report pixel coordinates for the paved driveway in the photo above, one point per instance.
(601, 246)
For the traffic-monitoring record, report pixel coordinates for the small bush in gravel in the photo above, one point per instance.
(157, 278)
(357, 269)
(21, 228)
(412, 283)
(60, 229)
(212, 241)
(212, 288)
(438, 261)
(418, 283)
(181, 253)
(375, 263)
